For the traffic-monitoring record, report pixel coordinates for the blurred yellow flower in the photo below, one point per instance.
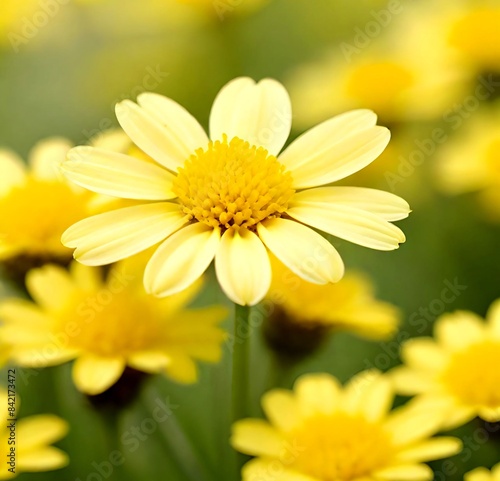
(474, 31)
(323, 431)
(108, 325)
(33, 436)
(349, 304)
(37, 204)
(225, 7)
(458, 369)
(231, 197)
(470, 162)
(483, 474)
(11, 14)
(409, 73)
(5, 353)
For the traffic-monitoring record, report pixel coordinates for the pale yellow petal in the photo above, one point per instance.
(13, 171)
(148, 361)
(378, 399)
(325, 135)
(117, 175)
(282, 409)
(479, 474)
(181, 259)
(383, 204)
(257, 438)
(170, 145)
(409, 382)
(408, 425)
(259, 113)
(115, 140)
(44, 459)
(330, 162)
(405, 472)
(243, 267)
(492, 415)
(41, 430)
(95, 374)
(423, 353)
(459, 329)
(349, 223)
(51, 286)
(178, 122)
(272, 469)
(47, 156)
(354, 395)
(109, 237)
(87, 278)
(302, 250)
(317, 393)
(181, 368)
(430, 450)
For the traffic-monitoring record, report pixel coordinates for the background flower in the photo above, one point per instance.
(34, 436)
(108, 325)
(457, 369)
(323, 431)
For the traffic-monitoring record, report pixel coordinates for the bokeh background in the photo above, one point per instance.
(63, 76)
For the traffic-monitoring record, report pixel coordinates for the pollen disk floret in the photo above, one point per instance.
(233, 184)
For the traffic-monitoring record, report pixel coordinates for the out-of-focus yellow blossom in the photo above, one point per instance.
(483, 474)
(33, 438)
(473, 29)
(458, 369)
(5, 353)
(410, 74)
(222, 8)
(11, 14)
(349, 305)
(108, 325)
(470, 162)
(37, 204)
(227, 198)
(323, 431)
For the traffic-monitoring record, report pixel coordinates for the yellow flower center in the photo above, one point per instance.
(34, 216)
(339, 447)
(378, 85)
(108, 323)
(477, 35)
(233, 184)
(473, 375)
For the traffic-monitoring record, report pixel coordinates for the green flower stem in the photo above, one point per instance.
(240, 377)
(176, 442)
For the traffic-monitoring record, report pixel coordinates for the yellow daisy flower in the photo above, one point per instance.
(458, 369)
(37, 204)
(108, 325)
(471, 162)
(322, 431)
(474, 30)
(230, 197)
(304, 311)
(483, 474)
(33, 438)
(349, 304)
(410, 74)
(225, 7)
